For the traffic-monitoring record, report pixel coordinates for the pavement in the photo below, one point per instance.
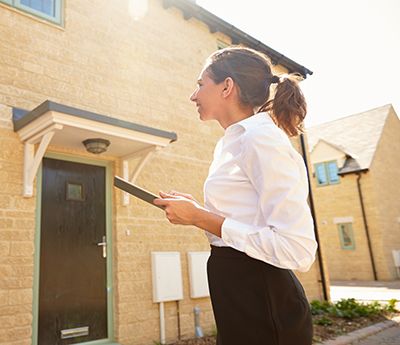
(365, 291)
(390, 336)
(383, 333)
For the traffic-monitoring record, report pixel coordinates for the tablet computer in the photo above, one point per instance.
(136, 191)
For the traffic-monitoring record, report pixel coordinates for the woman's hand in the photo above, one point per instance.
(180, 208)
(175, 193)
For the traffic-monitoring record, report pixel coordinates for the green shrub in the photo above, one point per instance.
(391, 306)
(349, 308)
(324, 321)
(320, 307)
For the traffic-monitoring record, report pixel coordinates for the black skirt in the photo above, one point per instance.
(256, 303)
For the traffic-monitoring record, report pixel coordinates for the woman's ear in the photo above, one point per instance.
(228, 87)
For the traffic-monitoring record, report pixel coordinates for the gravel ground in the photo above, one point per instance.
(321, 333)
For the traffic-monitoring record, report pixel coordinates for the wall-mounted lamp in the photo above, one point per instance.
(96, 145)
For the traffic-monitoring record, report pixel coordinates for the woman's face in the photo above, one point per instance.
(208, 97)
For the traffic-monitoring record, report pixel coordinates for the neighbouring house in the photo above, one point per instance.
(355, 166)
(80, 261)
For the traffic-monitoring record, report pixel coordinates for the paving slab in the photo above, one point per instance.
(390, 336)
(368, 333)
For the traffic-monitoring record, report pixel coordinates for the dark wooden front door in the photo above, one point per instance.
(72, 285)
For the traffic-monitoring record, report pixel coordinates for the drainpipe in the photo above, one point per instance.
(312, 208)
(366, 226)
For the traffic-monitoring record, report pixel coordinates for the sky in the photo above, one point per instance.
(352, 47)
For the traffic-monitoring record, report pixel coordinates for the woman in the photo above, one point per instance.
(256, 214)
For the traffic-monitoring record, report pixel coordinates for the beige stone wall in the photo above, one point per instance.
(313, 291)
(381, 203)
(323, 152)
(17, 231)
(342, 201)
(385, 186)
(140, 71)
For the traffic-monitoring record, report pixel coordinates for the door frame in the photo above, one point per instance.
(109, 284)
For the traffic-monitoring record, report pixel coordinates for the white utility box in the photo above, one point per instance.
(167, 276)
(396, 259)
(197, 262)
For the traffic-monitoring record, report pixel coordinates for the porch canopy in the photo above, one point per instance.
(68, 127)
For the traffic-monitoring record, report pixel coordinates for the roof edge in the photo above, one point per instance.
(22, 117)
(353, 171)
(389, 107)
(215, 23)
(337, 147)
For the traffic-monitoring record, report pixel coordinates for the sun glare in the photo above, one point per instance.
(138, 8)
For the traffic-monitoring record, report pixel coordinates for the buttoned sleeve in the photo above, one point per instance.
(279, 177)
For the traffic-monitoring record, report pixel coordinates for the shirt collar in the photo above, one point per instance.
(249, 122)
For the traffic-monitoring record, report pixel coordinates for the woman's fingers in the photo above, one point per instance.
(160, 202)
(165, 195)
(173, 193)
(165, 199)
(162, 194)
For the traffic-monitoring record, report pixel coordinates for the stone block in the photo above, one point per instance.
(22, 248)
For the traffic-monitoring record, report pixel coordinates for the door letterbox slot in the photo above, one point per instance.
(74, 332)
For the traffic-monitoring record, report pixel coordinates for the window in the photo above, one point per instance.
(332, 172)
(346, 236)
(326, 173)
(47, 9)
(75, 191)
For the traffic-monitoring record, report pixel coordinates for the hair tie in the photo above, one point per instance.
(275, 79)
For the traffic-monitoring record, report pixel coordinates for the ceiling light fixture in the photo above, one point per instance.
(96, 145)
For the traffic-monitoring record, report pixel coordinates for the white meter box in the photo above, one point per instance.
(167, 276)
(198, 274)
(396, 257)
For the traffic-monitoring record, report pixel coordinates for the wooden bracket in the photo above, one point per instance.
(144, 155)
(32, 160)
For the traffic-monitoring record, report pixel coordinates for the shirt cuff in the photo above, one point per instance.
(234, 234)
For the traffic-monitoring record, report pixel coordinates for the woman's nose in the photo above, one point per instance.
(193, 96)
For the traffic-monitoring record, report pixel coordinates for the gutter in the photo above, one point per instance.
(366, 226)
(190, 9)
(312, 208)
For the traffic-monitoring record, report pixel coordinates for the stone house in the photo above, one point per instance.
(71, 71)
(355, 164)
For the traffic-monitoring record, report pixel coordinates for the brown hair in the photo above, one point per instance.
(251, 71)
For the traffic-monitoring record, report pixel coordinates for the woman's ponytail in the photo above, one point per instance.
(288, 107)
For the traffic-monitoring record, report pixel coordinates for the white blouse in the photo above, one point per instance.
(258, 182)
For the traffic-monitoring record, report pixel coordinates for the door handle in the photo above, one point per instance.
(104, 245)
